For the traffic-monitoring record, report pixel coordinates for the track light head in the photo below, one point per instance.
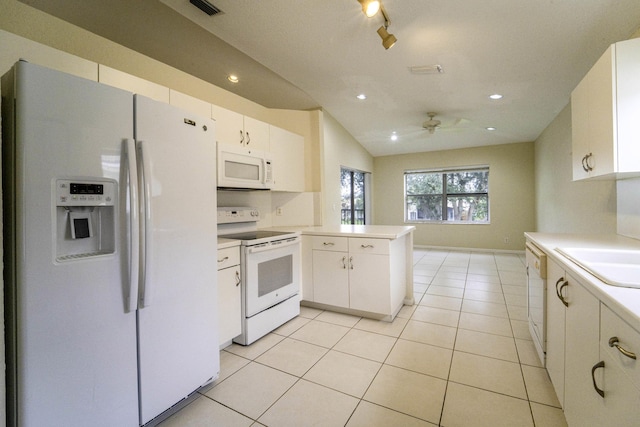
(388, 40)
(370, 7)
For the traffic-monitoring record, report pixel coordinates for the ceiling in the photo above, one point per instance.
(296, 54)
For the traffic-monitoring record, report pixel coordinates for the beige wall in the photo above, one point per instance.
(32, 24)
(562, 205)
(511, 199)
(339, 149)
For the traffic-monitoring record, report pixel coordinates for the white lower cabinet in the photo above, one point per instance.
(592, 355)
(331, 278)
(619, 350)
(359, 273)
(555, 323)
(581, 399)
(229, 295)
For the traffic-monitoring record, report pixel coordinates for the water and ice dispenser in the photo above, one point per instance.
(86, 217)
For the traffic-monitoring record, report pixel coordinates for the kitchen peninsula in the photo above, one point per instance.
(359, 269)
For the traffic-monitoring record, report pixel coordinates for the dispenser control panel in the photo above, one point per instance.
(75, 192)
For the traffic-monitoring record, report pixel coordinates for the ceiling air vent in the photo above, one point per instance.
(206, 7)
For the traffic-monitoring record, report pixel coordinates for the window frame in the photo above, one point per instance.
(366, 181)
(445, 195)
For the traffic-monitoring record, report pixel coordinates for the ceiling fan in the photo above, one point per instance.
(450, 124)
(432, 124)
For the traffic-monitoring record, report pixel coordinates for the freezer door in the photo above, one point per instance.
(177, 314)
(71, 337)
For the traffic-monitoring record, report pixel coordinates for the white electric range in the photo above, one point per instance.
(270, 268)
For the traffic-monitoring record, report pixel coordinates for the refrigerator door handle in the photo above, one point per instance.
(134, 234)
(146, 227)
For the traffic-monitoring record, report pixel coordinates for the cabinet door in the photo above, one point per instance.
(229, 300)
(555, 324)
(602, 142)
(287, 151)
(331, 278)
(256, 134)
(628, 104)
(369, 288)
(229, 126)
(621, 398)
(582, 404)
(580, 132)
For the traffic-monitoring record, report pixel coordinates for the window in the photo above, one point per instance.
(456, 196)
(353, 197)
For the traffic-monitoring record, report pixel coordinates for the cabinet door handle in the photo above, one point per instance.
(241, 137)
(584, 164)
(351, 262)
(593, 377)
(559, 291)
(223, 259)
(328, 244)
(248, 138)
(590, 155)
(615, 342)
(344, 262)
(366, 246)
(237, 278)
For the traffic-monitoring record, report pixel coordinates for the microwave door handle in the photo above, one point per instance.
(129, 147)
(264, 171)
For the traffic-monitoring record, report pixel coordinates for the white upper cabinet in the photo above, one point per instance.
(234, 128)
(287, 152)
(189, 103)
(605, 123)
(122, 80)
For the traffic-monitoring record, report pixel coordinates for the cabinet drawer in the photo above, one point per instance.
(228, 257)
(369, 246)
(628, 339)
(330, 243)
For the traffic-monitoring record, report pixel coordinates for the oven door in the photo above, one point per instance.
(272, 274)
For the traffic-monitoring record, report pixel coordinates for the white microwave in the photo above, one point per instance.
(243, 168)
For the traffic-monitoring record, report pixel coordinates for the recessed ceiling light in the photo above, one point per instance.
(233, 78)
(362, 97)
(490, 128)
(394, 136)
(495, 96)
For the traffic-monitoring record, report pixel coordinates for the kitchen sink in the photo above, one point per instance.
(617, 267)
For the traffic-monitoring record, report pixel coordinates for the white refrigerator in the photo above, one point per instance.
(110, 240)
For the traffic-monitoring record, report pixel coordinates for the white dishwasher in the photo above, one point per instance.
(536, 297)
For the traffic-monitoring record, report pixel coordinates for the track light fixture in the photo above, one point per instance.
(388, 40)
(370, 8)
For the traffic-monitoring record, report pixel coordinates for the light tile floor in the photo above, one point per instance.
(462, 356)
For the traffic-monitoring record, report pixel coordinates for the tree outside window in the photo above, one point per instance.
(456, 196)
(352, 194)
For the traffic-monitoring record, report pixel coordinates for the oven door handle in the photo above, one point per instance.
(273, 245)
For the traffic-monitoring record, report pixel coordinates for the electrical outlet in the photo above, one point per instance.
(506, 240)
(278, 211)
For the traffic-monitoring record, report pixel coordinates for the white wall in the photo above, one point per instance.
(564, 205)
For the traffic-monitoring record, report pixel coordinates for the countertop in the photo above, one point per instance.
(227, 243)
(370, 231)
(623, 301)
